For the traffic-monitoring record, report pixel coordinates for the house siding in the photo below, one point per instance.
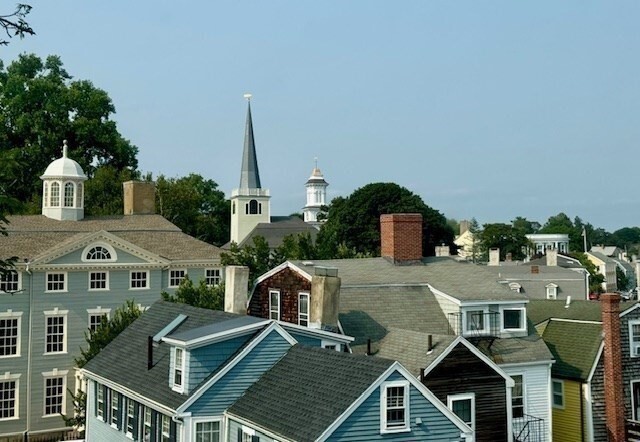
(98, 430)
(289, 283)
(364, 423)
(567, 421)
(228, 389)
(235, 426)
(463, 372)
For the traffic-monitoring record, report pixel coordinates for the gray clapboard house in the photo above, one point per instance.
(70, 272)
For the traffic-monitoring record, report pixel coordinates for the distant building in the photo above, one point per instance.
(548, 241)
(316, 196)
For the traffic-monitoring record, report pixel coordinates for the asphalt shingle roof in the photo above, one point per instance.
(310, 388)
(124, 360)
(279, 227)
(539, 311)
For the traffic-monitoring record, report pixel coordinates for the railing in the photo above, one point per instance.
(475, 324)
(250, 192)
(633, 431)
(528, 429)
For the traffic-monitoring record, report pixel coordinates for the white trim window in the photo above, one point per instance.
(99, 280)
(464, 406)
(635, 400)
(475, 321)
(10, 282)
(146, 425)
(166, 429)
(176, 276)
(331, 345)
(69, 189)
(115, 409)
(55, 387)
(247, 434)
(634, 337)
(100, 410)
(99, 252)
(274, 304)
(513, 319)
(130, 418)
(10, 323)
(552, 291)
(394, 407)
(303, 309)
(557, 389)
(212, 277)
(56, 282)
(55, 331)
(139, 279)
(207, 431)
(55, 194)
(178, 369)
(517, 396)
(9, 396)
(96, 315)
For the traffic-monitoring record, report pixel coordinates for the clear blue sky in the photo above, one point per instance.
(491, 109)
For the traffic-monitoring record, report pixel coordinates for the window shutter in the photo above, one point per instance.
(95, 398)
(136, 421)
(154, 426)
(107, 404)
(239, 434)
(255, 438)
(172, 430)
(119, 417)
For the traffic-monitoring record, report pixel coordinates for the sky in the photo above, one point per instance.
(492, 109)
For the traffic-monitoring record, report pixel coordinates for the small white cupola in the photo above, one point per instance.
(316, 195)
(63, 189)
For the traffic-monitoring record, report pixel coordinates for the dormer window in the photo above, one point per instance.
(475, 322)
(178, 369)
(394, 407)
(515, 287)
(514, 319)
(552, 291)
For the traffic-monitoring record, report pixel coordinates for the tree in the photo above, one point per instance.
(15, 25)
(202, 295)
(79, 417)
(595, 278)
(196, 206)
(505, 237)
(105, 191)
(40, 106)
(525, 226)
(354, 221)
(257, 257)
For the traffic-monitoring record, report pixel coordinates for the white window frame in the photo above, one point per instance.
(4, 283)
(106, 281)
(552, 291)
(165, 436)
(172, 277)
(115, 413)
(384, 425)
(100, 402)
(634, 414)
(55, 313)
(147, 423)
(64, 282)
(54, 197)
(247, 434)
(179, 387)
(523, 319)
(112, 252)
(98, 311)
(524, 394)
(146, 279)
(464, 397)
(271, 309)
(634, 345)
(303, 316)
(69, 197)
(204, 420)
(15, 378)
(328, 344)
(8, 316)
(485, 321)
(210, 278)
(55, 374)
(129, 418)
(553, 393)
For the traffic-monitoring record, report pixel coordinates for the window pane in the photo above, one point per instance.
(512, 319)
(462, 409)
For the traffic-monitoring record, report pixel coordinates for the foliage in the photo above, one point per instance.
(15, 25)
(354, 221)
(105, 191)
(505, 237)
(622, 281)
(202, 295)
(40, 106)
(107, 331)
(195, 205)
(256, 256)
(525, 226)
(79, 417)
(595, 278)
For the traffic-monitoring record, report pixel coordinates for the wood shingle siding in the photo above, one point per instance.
(289, 283)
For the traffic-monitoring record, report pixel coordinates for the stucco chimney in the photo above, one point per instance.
(401, 237)
(325, 298)
(443, 250)
(464, 226)
(613, 394)
(494, 256)
(139, 197)
(236, 287)
(552, 257)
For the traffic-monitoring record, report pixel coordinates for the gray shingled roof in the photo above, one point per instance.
(464, 281)
(31, 236)
(574, 346)
(215, 328)
(310, 388)
(279, 227)
(124, 360)
(539, 311)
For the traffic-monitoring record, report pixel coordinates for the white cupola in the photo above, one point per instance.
(316, 195)
(63, 189)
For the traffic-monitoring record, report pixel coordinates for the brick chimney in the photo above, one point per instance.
(139, 197)
(613, 395)
(401, 237)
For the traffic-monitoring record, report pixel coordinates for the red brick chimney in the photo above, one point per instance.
(613, 396)
(401, 237)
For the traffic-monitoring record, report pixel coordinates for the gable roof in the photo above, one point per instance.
(310, 385)
(31, 236)
(275, 231)
(574, 345)
(539, 311)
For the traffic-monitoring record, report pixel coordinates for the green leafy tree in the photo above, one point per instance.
(105, 191)
(15, 24)
(201, 295)
(257, 257)
(196, 205)
(622, 281)
(505, 237)
(299, 247)
(595, 278)
(79, 417)
(40, 106)
(525, 226)
(354, 221)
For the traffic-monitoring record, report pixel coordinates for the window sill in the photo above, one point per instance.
(15, 418)
(9, 357)
(54, 353)
(140, 288)
(48, 416)
(395, 430)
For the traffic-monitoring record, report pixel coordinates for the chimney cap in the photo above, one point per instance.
(326, 271)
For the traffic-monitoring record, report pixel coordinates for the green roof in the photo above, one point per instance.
(574, 346)
(539, 311)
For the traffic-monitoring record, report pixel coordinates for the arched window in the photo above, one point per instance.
(254, 207)
(55, 194)
(79, 195)
(68, 194)
(98, 253)
(46, 195)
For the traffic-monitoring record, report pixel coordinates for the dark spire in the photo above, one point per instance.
(249, 174)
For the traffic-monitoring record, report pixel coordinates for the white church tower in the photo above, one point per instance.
(63, 189)
(250, 202)
(316, 195)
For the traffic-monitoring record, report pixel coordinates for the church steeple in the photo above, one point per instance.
(249, 173)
